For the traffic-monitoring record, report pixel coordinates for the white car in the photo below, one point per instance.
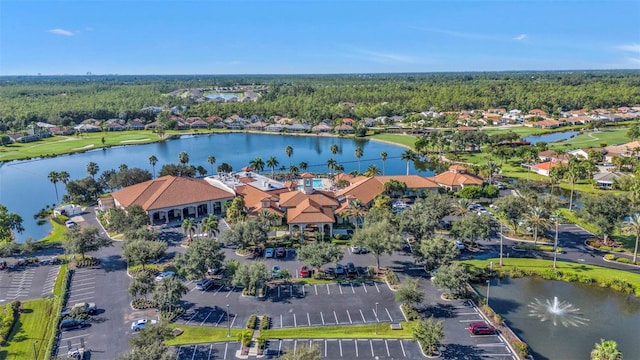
(141, 323)
(460, 245)
(166, 274)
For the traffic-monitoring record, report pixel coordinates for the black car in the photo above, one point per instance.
(70, 324)
(351, 269)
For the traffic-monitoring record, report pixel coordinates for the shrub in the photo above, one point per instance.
(251, 323)
(169, 316)
(610, 257)
(521, 348)
(584, 279)
(87, 261)
(624, 260)
(8, 317)
(516, 273)
(265, 322)
(497, 319)
(141, 304)
(410, 312)
(391, 277)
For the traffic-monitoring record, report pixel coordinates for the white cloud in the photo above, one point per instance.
(630, 47)
(62, 32)
(635, 61)
(520, 37)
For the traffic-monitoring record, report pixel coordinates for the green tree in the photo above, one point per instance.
(383, 157)
(272, 163)
(632, 227)
(303, 165)
(63, 176)
(92, 169)
(302, 352)
(461, 207)
(9, 222)
(183, 158)
(573, 174)
(379, 238)
(142, 285)
(168, 292)
(143, 251)
(435, 252)
(153, 160)
(201, 255)
(472, 228)
(605, 212)
(211, 160)
(395, 188)
(408, 156)
(428, 333)
(355, 212)
(317, 254)
(409, 293)
(372, 170)
(245, 234)
(257, 164)
(211, 225)
(634, 132)
(189, 227)
(225, 168)
(421, 219)
(453, 277)
(511, 211)
(606, 350)
(331, 164)
(150, 344)
(470, 192)
(251, 276)
(334, 150)
(539, 220)
(359, 153)
(236, 210)
(289, 151)
(54, 177)
(81, 241)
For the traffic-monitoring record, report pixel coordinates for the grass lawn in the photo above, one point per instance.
(628, 241)
(35, 326)
(399, 139)
(536, 265)
(594, 139)
(55, 236)
(342, 332)
(202, 334)
(523, 131)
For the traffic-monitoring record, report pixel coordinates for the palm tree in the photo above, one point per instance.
(461, 208)
(528, 157)
(331, 164)
(211, 160)
(371, 171)
(383, 156)
(538, 219)
(492, 168)
(123, 168)
(572, 175)
(92, 169)
(257, 164)
(54, 177)
(289, 151)
(188, 226)
(153, 160)
(294, 171)
(338, 168)
(394, 188)
(303, 166)
(183, 158)
(210, 225)
(359, 154)
(355, 210)
(632, 227)
(334, 150)
(408, 156)
(606, 350)
(273, 163)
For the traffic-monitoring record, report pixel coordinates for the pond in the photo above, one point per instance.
(25, 189)
(582, 315)
(548, 138)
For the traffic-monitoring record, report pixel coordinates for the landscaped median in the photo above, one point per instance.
(33, 335)
(199, 334)
(566, 271)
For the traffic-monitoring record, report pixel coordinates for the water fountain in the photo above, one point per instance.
(557, 311)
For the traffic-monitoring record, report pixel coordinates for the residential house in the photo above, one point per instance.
(544, 124)
(606, 180)
(544, 168)
(321, 128)
(260, 125)
(348, 121)
(135, 124)
(344, 129)
(199, 124)
(456, 178)
(114, 126)
(551, 155)
(86, 128)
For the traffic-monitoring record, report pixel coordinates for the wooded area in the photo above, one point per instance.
(67, 100)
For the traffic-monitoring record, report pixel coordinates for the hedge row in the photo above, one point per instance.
(9, 314)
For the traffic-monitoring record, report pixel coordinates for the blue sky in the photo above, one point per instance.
(302, 37)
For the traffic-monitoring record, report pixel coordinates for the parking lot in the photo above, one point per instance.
(27, 282)
(486, 346)
(295, 305)
(329, 349)
(83, 289)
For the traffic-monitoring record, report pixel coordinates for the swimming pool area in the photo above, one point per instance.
(319, 184)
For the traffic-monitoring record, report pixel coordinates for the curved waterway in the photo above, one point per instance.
(25, 189)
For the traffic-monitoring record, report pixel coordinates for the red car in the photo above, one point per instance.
(304, 271)
(480, 328)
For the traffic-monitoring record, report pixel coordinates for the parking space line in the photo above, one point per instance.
(349, 315)
(194, 315)
(352, 289)
(340, 288)
(363, 319)
(278, 291)
(471, 313)
(375, 314)
(371, 344)
(178, 353)
(321, 317)
(280, 321)
(295, 323)
(195, 349)
(226, 345)
(376, 285)
(72, 337)
(364, 286)
(221, 286)
(295, 346)
(404, 354)
(230, 291)
(328, 289)
(340, 343)
(466, 321)
(210, 348)
(325, 348)
(389, 314)
(493, 345)
(279, 347)
(356, 342)
(308, 319)
(205, 319)
(316, 287)
(386, 344)
(219, 319)
(335, 316)
(84, 293)
(234, 319)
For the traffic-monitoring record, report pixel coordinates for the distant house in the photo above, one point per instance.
(456, 178)
(199, 124)
(538, 112)
(344, 129)
(544, 168)
(297, 128)
(550, 155)
(86, 128)
(135, 125)
(321, 128)
(348, 121)
(260, 125)
(114, 126)
(274, 128)
(544, 124)
(606, 180)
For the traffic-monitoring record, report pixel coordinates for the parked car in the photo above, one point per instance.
(70, 223)
(3, 265)
(268, 253)
(215, 271)
(304, 271)
(140, 324)
(480, 328)
(203, 284)
(351, 269)
(165, 274)
(460, 245)
(281, 252)
(339, 269)
(356, 249)
(275, 271)
(79, 308)
(70, 324)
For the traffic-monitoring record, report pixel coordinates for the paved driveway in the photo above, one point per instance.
(27, 282)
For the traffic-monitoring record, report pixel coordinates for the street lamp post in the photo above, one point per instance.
(228, 323)
(377, 319)
(555, 245)
(488, 287)
(501, 237)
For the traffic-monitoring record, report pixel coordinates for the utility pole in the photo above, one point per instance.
(501, 237)
(228, 323)
(555, 245)
(377, 319)
(488, 286)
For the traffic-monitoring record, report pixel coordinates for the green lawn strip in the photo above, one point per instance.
(342, 332)
(594, 139)
(55, 236)
(202, 334)
(523, 131)
(399, 139)
(597, 273)
(36, 325)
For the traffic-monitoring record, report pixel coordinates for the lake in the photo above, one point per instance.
(548, 138)
(25, 189)
(590, 313)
